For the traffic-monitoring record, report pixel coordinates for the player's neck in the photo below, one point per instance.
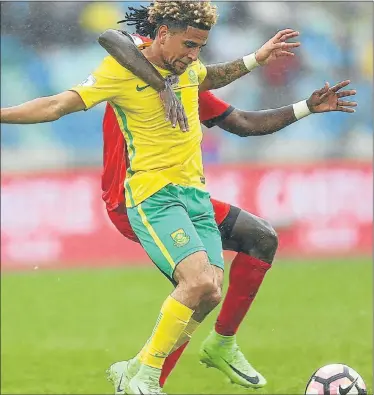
(153, 54)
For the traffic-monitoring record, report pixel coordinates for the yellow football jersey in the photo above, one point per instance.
(158, 154)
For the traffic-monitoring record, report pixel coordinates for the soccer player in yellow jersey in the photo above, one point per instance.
(168, 207)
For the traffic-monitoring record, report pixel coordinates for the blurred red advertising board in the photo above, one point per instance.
(59, 220)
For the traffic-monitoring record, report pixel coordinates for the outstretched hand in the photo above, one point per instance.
(174, 110)
(277, 47)
(329, 99)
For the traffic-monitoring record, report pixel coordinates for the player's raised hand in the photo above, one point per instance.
(330, 99)
(277, 47)
(174, 110)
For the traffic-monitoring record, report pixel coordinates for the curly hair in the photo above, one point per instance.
(175, 14)
(200, 14)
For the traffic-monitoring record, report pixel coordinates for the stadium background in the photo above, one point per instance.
(313, 181)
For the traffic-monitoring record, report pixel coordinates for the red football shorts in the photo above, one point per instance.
(120, 219)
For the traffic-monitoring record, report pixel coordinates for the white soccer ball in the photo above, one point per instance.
(335, 379)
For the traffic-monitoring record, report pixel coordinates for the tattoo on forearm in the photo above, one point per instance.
(222, 74)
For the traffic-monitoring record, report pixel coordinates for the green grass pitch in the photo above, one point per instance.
(61, 330)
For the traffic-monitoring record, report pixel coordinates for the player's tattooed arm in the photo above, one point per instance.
(257, 123)
(220, 75)
(120, 45)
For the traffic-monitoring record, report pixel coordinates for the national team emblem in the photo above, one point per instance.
(180, 238)
(192, 76)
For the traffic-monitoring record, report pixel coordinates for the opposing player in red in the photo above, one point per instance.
(253, 238)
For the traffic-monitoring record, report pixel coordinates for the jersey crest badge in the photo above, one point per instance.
(180, 238)
(192, 77)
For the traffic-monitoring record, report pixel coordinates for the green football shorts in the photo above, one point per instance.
(174, 223)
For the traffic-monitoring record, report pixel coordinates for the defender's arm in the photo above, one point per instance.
(121, 46)
(257, 123)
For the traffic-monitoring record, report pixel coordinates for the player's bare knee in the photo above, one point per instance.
(207, 304)
(218, 280)
(211, 294)
(215, 297)
(214, 294)
(196, 280)
(204, 286)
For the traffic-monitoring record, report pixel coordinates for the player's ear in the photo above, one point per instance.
(162, 33)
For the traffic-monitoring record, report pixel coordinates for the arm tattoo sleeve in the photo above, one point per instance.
(222, 74)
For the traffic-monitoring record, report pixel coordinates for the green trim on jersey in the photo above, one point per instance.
(131, 149)
(179, 95)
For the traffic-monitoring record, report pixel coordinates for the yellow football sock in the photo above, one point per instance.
(142, 351)
(185, 337)
(171, 324)
(187, 334)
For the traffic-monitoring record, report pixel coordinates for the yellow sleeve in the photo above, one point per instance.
(104, 84)
(201, 71)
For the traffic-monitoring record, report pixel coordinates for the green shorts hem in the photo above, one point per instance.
(218, 264)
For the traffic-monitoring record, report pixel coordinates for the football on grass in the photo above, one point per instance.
(335, 379)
